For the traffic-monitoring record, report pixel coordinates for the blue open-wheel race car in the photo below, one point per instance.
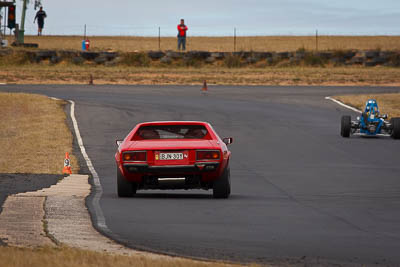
(370, 123)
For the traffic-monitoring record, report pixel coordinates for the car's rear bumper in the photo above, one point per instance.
(199, 175)
(168, 169)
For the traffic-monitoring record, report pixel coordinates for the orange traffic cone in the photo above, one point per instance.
(67, 164)
(205, 88)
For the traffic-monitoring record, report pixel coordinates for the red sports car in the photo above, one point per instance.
(173, 155)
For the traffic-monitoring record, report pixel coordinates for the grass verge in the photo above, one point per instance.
(388, 103)
(34, 135)
(71, 74)
(71, 257)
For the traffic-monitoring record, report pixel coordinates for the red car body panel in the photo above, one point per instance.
(204, 171)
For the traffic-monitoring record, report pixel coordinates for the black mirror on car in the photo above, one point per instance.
(118, 142)
(228, 140)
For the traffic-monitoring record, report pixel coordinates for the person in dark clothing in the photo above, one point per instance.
(40, 16)
(182, 28)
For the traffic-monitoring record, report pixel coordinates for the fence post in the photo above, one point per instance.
(5, 23)
(159, 38)
(84, 33)
(234, 40)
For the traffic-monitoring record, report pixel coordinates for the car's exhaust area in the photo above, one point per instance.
(168, 183)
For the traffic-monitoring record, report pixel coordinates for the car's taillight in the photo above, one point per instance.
(134, 156)
(207, 155)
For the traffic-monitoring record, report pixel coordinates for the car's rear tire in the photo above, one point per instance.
(222, 186)
(345, 127)
(395, 122)
(124, 187)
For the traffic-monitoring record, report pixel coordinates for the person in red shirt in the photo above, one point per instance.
(182, 28)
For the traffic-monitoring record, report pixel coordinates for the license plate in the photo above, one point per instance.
(171, 156)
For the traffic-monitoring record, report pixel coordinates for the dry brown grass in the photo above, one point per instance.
(33, 135)
(262, 43)
(388, 103)
(70, 257)
(71, 74)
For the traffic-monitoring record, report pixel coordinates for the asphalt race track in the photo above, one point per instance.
(299, 190)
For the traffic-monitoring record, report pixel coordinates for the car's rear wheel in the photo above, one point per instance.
(124, 187)
(395, 122)
(222, 186)
(345, 127)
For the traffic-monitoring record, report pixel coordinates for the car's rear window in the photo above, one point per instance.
(171, 132)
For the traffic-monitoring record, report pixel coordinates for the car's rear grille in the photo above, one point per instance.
(155, 182)
(172, 169)
(138, 168)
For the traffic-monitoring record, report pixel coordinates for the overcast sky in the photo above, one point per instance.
(219, 17)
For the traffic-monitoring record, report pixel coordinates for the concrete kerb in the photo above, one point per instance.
(56, 216)
(22, 222)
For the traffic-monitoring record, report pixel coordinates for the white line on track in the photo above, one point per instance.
(342, 104)
(100, 220)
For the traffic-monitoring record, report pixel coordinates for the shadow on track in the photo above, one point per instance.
(173, 195)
